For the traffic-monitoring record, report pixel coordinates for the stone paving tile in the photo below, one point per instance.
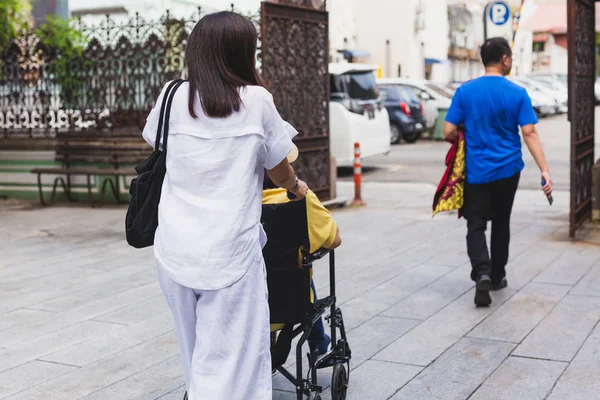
(377, 380)
(427, 301)
(97, 348)
(569, 268)
(277, 395)
(590, 284)
(369, 278)
(376, 334)
(560, 335)
(131, 278)
(53, 269)
(452, 258)
(387, 294)
(178, 393)
(19, 317)
(149, 384)
(47, 344)
(116, 302)
(512, 321)
(529, 264)
(30, 374)
(52, 322)
(457, 373)
(136, 312)
(521, 378)
(90, 379)
(431, 338)
(580, 380)
(27, 296)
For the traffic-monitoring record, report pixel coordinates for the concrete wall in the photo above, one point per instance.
(435, 37)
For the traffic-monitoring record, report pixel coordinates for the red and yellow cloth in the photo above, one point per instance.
(450, 192)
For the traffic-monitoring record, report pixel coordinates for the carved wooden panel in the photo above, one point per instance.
(582, 67)
(295, 59)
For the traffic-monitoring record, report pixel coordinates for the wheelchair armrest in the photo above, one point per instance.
(317, 255)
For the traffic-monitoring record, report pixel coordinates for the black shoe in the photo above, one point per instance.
(495, 286)
(482, 291)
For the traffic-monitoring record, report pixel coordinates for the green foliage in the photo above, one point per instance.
(65, 49)
(15, 15)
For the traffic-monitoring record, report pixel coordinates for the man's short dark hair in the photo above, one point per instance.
(494, 49)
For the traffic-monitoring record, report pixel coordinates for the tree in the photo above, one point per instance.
(15, 15)
(64, 46)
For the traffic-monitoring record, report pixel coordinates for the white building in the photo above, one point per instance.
(399, 36)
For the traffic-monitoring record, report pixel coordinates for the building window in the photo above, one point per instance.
(539, 47)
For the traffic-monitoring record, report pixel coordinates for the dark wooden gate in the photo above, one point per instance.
(295, 59)
(582, 67)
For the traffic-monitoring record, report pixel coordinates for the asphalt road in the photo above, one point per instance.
(424, 160)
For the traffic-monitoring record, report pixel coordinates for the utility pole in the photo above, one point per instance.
(420, 27)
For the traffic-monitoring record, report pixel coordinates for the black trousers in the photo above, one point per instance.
(489, 202)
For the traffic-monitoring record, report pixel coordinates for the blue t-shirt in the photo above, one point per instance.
(492, 108)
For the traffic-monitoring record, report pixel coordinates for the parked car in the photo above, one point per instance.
(440, 89)
(543, 104)
(563, 78)
(406, 113)
(432, 100)
(356, 113)
(559, 94)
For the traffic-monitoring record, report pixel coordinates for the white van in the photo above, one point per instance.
(356, 113)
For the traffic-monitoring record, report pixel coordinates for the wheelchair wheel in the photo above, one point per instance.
(339, 382)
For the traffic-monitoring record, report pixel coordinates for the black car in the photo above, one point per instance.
(407, 119)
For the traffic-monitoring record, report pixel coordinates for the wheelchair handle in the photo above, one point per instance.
(290, 195)
(317, 255)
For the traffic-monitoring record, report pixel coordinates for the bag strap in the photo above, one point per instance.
(161, 119)
(168, 113)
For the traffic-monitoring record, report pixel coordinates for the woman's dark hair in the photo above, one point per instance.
(221, 57)
(494, 49)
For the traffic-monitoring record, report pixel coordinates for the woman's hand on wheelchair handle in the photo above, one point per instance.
(299, 191)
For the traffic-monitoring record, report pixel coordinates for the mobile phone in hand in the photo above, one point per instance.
(550, 199)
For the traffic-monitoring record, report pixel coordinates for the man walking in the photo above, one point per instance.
(492, 108)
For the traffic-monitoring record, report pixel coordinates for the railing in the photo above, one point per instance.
(111, 84)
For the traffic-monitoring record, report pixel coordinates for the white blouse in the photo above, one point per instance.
(209, 228)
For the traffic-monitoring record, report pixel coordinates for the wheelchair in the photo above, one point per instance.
(293, 311)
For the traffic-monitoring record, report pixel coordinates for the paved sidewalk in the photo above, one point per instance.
(82, 316)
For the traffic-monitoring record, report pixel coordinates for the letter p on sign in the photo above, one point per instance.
(499, 13)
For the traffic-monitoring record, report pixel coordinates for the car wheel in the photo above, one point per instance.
(396, 134)
(412, 137)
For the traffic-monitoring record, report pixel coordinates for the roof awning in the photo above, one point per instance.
(429, 61)
(354, 53)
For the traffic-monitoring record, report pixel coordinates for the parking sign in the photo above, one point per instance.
(498, 20)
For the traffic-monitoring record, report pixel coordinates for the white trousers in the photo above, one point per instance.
(224, 336)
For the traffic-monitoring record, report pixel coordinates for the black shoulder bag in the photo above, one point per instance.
(141, 220)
